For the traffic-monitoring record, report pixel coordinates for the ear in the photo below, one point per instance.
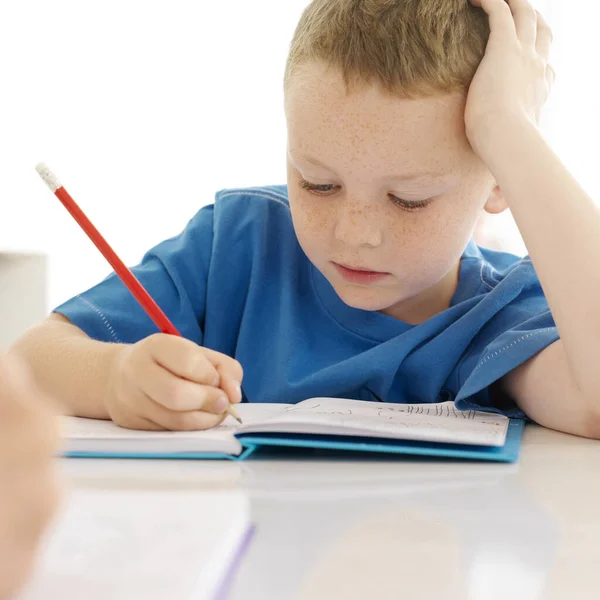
(495, 203)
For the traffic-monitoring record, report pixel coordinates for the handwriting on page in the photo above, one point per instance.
(389, 413)
(434, 410)
(316, 408)
(442, 420)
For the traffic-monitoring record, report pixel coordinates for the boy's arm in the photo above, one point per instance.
(160, 382)
(560, 387)
(69, 365)
(545, 389)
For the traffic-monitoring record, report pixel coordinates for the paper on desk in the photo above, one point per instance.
(150, 544)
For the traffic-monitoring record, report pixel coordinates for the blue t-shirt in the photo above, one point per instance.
(236, 280)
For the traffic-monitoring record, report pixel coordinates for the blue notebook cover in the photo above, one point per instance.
(253, 442)
(507, 453)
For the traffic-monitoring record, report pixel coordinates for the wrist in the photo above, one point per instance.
(500, 134)
(108, 367)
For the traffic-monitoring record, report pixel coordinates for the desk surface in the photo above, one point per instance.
(338, 527)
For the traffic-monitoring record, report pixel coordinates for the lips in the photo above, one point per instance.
(358, 274)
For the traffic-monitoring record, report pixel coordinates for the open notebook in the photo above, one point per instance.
(325, 423)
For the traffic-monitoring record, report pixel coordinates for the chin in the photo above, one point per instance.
(364, 298)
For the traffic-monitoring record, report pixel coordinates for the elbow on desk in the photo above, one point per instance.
(592, 419)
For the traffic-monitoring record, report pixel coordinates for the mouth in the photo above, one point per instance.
(359, 275)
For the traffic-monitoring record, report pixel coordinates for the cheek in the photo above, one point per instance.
(457, 221)
(435, 241)
(453, 222)
(313, 219)
(453, 229)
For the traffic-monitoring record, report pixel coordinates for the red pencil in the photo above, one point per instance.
(127, 277)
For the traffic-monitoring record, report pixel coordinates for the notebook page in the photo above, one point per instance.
(440, 422)
(93, 435)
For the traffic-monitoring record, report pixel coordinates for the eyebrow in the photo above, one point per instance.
(406, 177)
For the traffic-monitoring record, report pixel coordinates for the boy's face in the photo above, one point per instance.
(386, 185)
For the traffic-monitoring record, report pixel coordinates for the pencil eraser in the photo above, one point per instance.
(48, 176)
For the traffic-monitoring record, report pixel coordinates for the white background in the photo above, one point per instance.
(144, 109)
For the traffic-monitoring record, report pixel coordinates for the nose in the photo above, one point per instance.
(358, 227)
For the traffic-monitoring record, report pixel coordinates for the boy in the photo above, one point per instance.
(359, 279)
(28, 490)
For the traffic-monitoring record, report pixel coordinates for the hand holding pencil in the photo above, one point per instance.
(168, 382)
(163, 381)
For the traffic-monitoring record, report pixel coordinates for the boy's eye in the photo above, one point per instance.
(326, 189)
(410, 205)
(319, 189)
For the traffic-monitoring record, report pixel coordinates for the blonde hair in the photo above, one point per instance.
(410, 47)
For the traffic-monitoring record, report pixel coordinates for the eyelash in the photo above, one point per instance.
(403, 204)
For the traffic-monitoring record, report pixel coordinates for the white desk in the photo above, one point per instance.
(396, 528)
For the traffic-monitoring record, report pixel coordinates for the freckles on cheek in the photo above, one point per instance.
(462, 218)
(405, 233)
(450, 230)
(430, 237)
(413, 231)
(312, 219)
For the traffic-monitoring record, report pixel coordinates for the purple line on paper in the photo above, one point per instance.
(223, 589)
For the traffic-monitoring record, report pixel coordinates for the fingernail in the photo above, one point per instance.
(216, 381)
(238, 389)
(222, 404)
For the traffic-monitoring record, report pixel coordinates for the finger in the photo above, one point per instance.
(15, 385)
(525, 17)
(550, 75)
(181, 421)
(183, 358)
(37, 493)
(30, 447)
(543, 43)
(18, 388)
(231, 386)
(137, 422)
(225, 364)
(499, 14)
(179, 394)
(25, 415)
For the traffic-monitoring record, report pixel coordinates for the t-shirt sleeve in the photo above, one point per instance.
(518, 332)
(174, 273)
